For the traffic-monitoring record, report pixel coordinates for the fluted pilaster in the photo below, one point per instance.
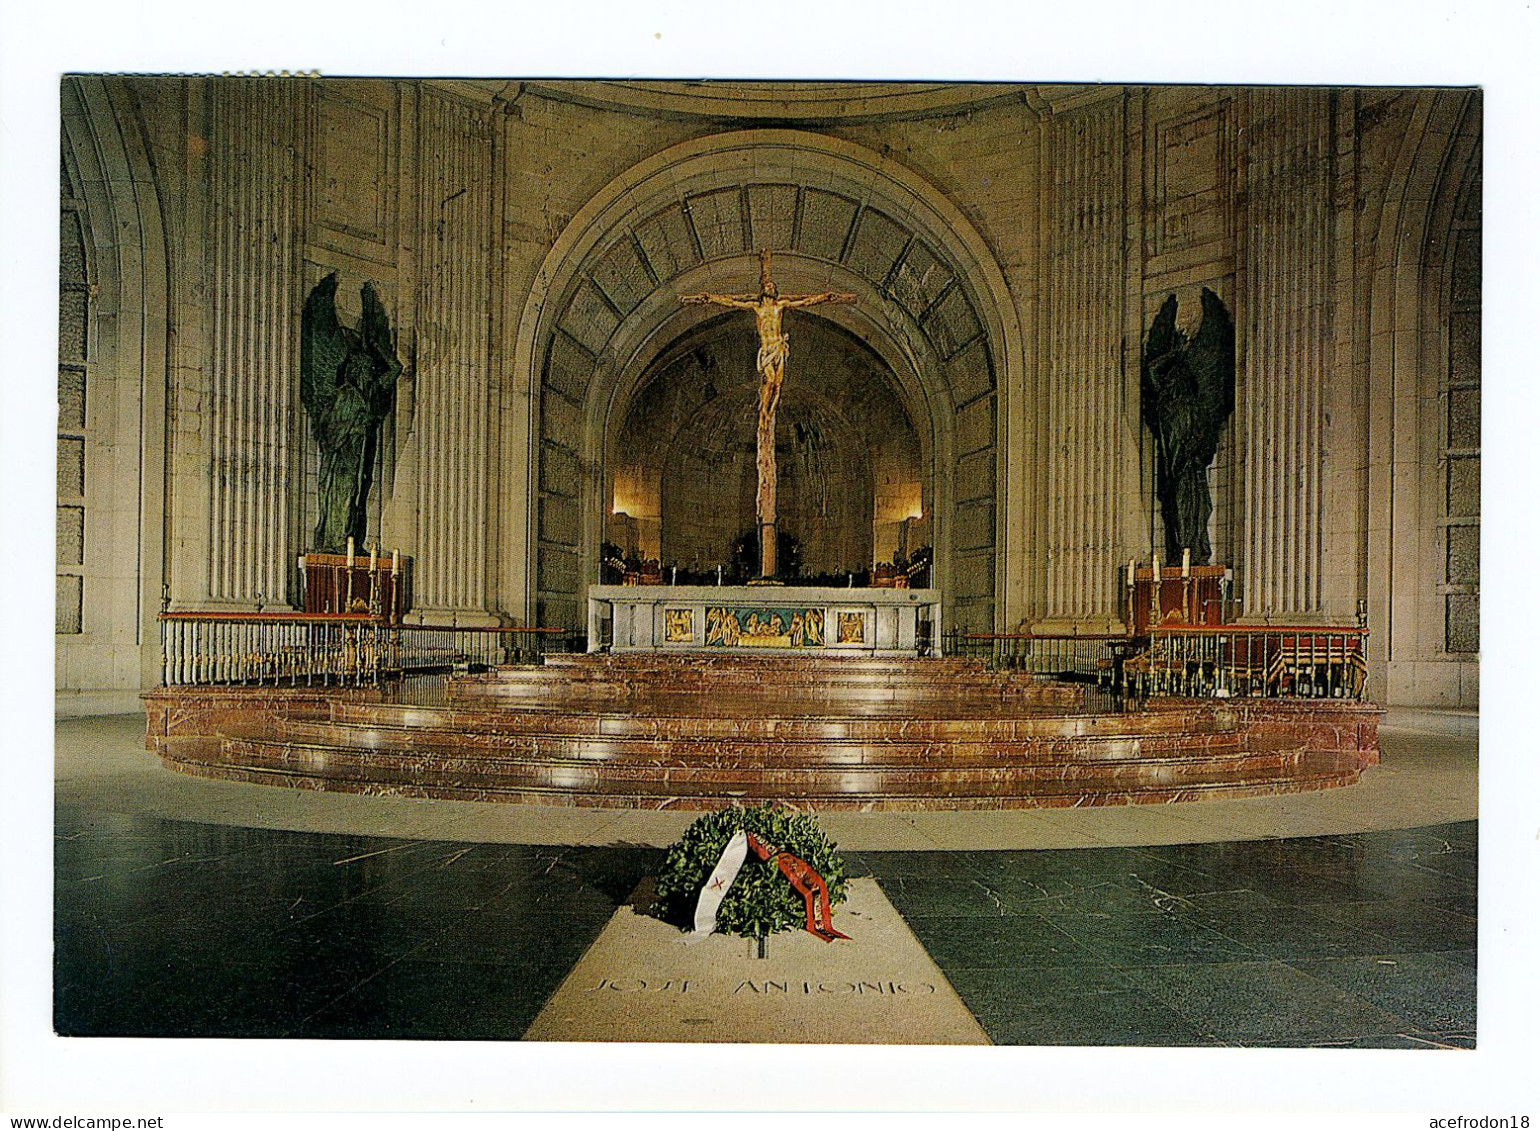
(253, 372)
(1086, 224)
(1286, 343)
(453, 361)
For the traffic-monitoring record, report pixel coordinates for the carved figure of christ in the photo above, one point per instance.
(767, 305)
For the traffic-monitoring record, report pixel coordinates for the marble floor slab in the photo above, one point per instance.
(643, 981)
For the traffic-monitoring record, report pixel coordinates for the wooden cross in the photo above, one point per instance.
(767, 306)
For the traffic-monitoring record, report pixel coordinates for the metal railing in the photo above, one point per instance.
(1305, 661)
(1062, 656)
(335, 650)
(342, 650)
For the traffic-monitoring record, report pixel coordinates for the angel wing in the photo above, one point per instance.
(1210, 361)
(323, 347)
(1155, 366)
(379, 344)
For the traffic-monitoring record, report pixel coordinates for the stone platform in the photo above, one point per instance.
(696, 731)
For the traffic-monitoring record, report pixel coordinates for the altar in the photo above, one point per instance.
(802, 620)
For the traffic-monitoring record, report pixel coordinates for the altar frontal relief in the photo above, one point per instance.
(764, 627)
(678, 626)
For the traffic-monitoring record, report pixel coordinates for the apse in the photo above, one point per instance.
(682, 477)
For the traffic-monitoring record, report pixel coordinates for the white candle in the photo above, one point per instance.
(1130, 573)
(1186, 560)
(350, 553)
(374, 550)
(1156, 567)
(395, 561)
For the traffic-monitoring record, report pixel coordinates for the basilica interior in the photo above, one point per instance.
(1009, 246)
(973, 422)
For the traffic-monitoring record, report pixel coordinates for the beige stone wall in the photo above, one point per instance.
(1009, 251)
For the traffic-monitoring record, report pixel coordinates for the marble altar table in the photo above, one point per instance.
(764, 619)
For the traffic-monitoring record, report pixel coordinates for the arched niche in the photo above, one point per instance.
(604, 309)
(681, 464)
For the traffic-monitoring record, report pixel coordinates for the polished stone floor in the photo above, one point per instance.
(170, 927)
(1361, 940)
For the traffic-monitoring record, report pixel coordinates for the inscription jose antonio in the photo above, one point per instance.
(880, 988)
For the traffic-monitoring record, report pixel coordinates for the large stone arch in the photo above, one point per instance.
(1408, 358)
(933, 305)
(106, 154)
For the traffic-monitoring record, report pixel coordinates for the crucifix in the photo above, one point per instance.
(767, 306)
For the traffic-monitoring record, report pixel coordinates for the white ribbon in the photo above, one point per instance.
(722, 877)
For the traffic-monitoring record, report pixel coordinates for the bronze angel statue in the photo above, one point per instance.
(1186, 394)
(347, 381)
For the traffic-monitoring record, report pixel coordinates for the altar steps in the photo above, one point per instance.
(692, 787)
(626, 678)
(699, 732)
(390, 724)
(783, 750)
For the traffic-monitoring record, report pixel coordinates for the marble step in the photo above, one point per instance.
(788, 668)
(759, 674)
(780, 660)
(792, 782)
(830, 674)
(235, 760)
(781, 750)
(1063, 696)
(755, 671)
(781, 701)
(782, 665)
(955, 724)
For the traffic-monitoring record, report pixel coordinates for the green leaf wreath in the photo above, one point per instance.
(761, 901)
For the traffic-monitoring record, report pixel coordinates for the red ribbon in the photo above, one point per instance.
(807, 883)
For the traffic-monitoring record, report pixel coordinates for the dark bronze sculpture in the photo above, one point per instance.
(1186, 393)
(347, 382)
